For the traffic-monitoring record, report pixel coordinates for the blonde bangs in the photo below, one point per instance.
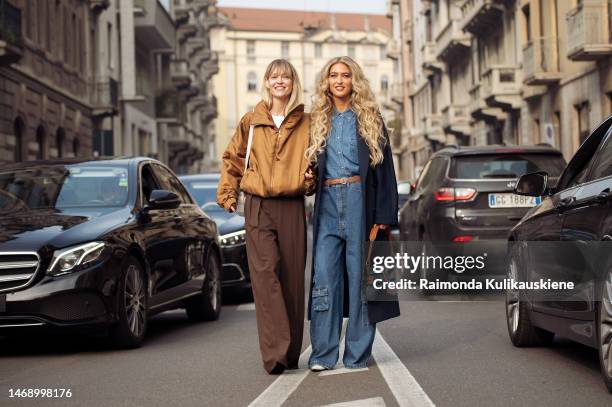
(284, 67)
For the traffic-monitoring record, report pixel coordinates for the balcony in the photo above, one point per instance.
(589, 31)
(11, 40)
(479, 109)
(540, 62)
(481, 17)
(209, 111)
(179, 73)
(430, 62)
(503, 87)
(187, 30)
(456, 120)
(452, 42)
(433, 128)
(210, 67)
(394, 49)
(202, 56)
(154, 26)
(194, 45)
(105, 96)
(181, 11)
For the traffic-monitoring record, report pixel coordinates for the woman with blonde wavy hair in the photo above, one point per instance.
(356, 196)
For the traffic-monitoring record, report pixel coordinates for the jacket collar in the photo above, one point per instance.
(262, 116)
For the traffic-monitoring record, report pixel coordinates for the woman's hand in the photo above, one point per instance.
(309, 174)
(383, 227)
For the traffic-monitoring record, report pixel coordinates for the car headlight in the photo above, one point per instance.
(233, 238)
(66, 260)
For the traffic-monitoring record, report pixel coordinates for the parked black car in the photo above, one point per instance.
(464, 195)
(103, 244)
(575, 217)
(235, 273)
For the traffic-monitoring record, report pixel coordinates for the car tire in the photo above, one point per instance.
(430, 274)
(130, 330)
(207, 305)
(522, 332)
(604, 331)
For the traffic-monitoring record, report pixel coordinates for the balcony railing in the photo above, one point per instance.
(451, 42)
(393, 49)
(397, 94)
(105, 96)
(540, 61)
(455, 119)
(430, 62)
(179, 73)
(143, 85)
(11, 40)
(481, 17)
(589, 31)
(168, 105)
(433, 127)
(503, 87)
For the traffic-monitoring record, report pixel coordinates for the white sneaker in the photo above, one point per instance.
(317, 368)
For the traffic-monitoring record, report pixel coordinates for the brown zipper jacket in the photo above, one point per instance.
(277, 164)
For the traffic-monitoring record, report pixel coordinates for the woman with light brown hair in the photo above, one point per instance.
(274, 183)
(356, 197)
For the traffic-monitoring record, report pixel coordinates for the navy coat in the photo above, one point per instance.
(379, 190)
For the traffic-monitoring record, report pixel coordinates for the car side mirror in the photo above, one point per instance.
(532, 184)
(162, 199)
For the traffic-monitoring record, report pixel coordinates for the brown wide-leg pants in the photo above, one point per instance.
(276, 249)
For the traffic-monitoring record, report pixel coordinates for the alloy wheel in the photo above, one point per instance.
(605, 328)
(512, 299)
(214, 285)
(134, 301)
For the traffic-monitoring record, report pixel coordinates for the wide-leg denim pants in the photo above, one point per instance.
(339, 246)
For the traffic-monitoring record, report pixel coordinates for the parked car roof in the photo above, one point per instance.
(72, 161)
(211, 176)
(496, 149)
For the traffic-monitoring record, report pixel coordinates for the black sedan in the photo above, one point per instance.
(102, 244)
(566, 239)
(235, 276)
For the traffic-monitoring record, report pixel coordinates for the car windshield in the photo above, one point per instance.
(69, 186)
(491, 166)
(205, 194)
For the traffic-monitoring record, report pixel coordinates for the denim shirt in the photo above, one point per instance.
(342, 157)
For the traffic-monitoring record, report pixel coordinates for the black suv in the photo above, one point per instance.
(464, 194)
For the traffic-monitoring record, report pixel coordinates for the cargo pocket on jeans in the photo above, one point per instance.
(319, 299)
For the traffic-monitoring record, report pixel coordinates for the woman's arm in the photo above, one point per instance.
(233, 165)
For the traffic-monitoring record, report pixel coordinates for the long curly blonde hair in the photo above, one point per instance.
(362, 102)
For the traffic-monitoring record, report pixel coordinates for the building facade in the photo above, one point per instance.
(255, 37)
(505, 71)
(112, 78)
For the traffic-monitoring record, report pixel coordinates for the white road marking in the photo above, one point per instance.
(403, 385)
(371, 402)
(341, 370)
(246, 307)
(280, 390)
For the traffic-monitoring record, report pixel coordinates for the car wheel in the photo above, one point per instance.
(604, 330)
(207, 306)
(131, 300)
(522, 332)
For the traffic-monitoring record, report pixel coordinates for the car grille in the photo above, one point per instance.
(17, 270)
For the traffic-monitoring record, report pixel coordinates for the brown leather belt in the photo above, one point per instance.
(336, 181)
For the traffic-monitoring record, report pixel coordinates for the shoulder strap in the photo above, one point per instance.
(249, 145)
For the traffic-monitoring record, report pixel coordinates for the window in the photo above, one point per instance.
(252, 82)
(351, 51)
(60, 136)
(148, 184)
(169, 182)
(318, 50)
(250, 50)
(383, 52)
(609, 98)
(76, 146)
(582, 114)
(109, 45)
(41, 142)
(285, 49)
(603, 166)
(526, 18)
(384, 83)
(18, 131)
(59, 29)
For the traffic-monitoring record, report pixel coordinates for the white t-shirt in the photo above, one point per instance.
(278, 120)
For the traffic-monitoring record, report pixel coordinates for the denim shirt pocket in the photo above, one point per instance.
(320, 299)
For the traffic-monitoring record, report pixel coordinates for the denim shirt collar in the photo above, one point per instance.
(337, 113)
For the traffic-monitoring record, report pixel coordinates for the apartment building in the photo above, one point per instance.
(113, 78)
(254, 37)
(505, 71)
(44, 86)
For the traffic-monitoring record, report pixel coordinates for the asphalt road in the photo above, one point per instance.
(442, 352)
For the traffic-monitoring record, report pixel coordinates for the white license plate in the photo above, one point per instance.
(513, 201)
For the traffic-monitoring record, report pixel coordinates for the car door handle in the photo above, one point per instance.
(604, 195)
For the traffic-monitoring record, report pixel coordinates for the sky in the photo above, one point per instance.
(338, 6)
